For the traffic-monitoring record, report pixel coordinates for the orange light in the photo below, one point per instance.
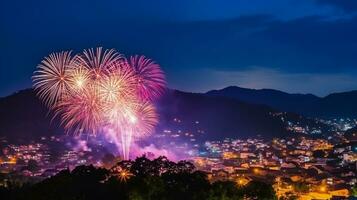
(124, 175)
(12, 160)
(323, 188)
(242, 181)
(229, 155)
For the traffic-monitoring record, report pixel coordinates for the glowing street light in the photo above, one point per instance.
(322, 188)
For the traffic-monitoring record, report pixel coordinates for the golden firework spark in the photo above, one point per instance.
(51, 79)
(81, 112)
(124, 175)
(98, 61)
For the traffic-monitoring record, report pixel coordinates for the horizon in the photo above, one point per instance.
(203, 92)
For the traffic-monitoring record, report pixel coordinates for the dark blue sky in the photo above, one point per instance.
(307, 46)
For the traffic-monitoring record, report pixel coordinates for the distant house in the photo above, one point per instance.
(288, 165)
(220, 174)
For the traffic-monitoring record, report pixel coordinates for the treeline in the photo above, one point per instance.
(141, 179)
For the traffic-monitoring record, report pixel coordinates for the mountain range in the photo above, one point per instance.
(334, 105)
(23, 117)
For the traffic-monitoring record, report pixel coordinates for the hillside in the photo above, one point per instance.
(333, 105)
(23, 117)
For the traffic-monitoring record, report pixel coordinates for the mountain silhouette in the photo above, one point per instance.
(331, 106)
(23, 117)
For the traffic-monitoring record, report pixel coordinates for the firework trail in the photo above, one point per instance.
(100, 90)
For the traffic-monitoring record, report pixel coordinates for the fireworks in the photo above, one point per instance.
(145, 115)
(100, 90)
(52, 77)
(150, 78)
(78, 78)
(81, 112)
(98, 62)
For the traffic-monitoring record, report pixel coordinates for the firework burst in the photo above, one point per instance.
(118, 85)
(97, 61)
(124, 175)
(150, 78)
(81, 112)
(145, 116)
(51, 79)
(79, 78)
(100, 90)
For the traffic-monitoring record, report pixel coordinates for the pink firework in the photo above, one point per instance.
(81, 112)
(99, 90)
(150, 78)
(145, 119)
(118, 85)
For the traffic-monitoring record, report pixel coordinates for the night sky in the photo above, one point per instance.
(306, 46)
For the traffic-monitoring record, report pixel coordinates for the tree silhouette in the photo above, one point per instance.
(260, 190)
(158, 179)
(222, 190)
